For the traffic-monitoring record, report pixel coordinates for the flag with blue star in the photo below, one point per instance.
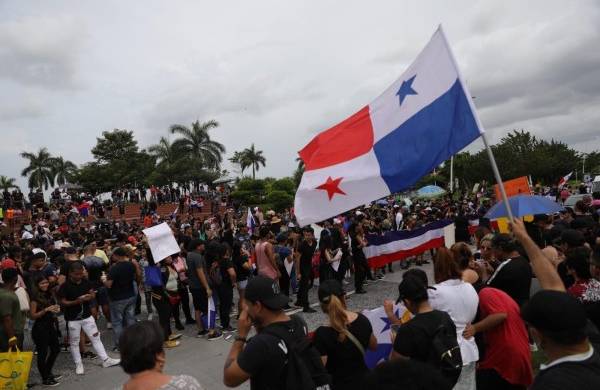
(382, 325)
(406, 89)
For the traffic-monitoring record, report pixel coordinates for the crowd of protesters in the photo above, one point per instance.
(69, 269)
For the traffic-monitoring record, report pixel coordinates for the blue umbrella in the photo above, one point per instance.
(522, 205)
(430, 191)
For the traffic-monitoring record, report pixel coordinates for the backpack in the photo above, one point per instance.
(214, 274)
(446, 352)
(152, 276)
(304, 369)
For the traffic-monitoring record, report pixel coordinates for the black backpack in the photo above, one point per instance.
(446, 352)
(215, 277)
(304, 369)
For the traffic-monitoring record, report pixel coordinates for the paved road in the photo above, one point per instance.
(201, 358)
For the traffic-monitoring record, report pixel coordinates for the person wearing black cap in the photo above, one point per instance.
(513, 275)
(414, 339)
(263, 358)
(343, 342)
(558, 325)
(120, 284)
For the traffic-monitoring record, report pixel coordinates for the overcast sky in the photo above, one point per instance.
(277, 72)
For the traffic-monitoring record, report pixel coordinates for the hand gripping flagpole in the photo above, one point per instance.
(481, 129)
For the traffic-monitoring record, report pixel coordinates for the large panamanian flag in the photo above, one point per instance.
(423, 118)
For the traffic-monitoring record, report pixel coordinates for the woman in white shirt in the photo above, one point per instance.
(460, 300)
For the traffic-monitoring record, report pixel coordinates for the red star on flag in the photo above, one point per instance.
(332, 187)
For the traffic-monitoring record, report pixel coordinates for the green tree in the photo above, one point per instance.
(114, 145)
(63, 170)
(250, 157)
(39, 170)
(279, 200)
(285, 184)
(199, 148)
(6, 183)
(168, 155)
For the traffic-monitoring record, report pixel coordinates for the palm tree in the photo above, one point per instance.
(39, 169)
(252, 158)
(63, 170)
(6, 183)
(237, 159)
(197, 145)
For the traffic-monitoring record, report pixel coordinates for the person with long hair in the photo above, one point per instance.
(172, 282)
(457, 297)
(42, 310)
(326, 258)
(361, 267)
(243, 268)
(463, 257)
(160, 300)
(342, 343)
(181, 268)
(143, 358)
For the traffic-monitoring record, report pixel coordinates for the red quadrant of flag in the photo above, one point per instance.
(343, 142)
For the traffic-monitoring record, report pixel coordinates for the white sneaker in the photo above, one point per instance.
(150, 317)
(109, 362)
(108, 325)
(79, 369)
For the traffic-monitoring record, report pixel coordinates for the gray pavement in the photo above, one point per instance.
(201, 358)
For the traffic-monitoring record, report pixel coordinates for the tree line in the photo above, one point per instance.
(519, 153)
(194, 158)
(191, 159)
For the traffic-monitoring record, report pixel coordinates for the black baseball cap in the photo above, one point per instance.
(554, 311)
(411, 287)
(266, 291)
(328, 288)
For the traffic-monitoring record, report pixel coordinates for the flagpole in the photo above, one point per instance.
(451, 174)
(481, 129)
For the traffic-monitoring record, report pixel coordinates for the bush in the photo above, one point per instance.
(246, 198)
(280, 200)
(248, 184)
(286, 184)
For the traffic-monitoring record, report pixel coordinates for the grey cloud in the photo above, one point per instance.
(41, 51)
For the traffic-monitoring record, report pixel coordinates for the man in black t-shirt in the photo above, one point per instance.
(75, 296)
(120, 281)
(513, 275)
(263, 358)
(558, 323)
(305, 253)
(414, 339)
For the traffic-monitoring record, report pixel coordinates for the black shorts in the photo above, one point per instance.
(200, 299)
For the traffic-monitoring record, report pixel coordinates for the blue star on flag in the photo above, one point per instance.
(406, 89)
(388, 323)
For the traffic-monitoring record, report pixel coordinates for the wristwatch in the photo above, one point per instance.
(240, 338)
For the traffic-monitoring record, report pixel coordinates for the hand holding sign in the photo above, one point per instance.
(161, 241)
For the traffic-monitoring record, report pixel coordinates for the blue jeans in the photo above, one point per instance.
(122, 315)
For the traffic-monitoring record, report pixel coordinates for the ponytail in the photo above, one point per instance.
(337, 316)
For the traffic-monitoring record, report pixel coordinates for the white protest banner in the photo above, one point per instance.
(161, 241)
